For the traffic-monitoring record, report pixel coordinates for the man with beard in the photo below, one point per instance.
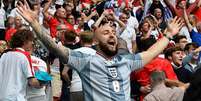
(105, 75)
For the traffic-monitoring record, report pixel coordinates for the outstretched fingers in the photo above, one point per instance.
(175, 19)
(20, 9)
(179, 23)
(26, 4)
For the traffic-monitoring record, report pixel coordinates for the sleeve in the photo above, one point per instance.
(169, 72)
(196, 37)
(26, 68)
(78, 60)
(135, 61)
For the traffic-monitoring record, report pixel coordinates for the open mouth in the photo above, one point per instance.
(180, 59)
(112, 43)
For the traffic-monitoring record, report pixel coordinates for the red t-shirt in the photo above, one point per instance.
(179, 11)
(86, 1)
(9, 33)
(143, 75)
(198, 14)
(53, 23)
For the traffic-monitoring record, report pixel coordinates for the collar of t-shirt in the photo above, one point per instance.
(21, 49)
(175, 66)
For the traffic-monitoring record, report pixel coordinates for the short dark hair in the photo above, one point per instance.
(188, 45)
(87, 37)
(169, 51)
(157, 76)
(70, 35)
(177, 38)
(21, 37)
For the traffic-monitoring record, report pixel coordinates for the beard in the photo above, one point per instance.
(103, 47)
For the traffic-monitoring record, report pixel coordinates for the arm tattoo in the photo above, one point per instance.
(61, 52)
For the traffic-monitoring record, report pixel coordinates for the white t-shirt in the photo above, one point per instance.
(184, 31)
(2, 18)
(37, 63)
(76, 84)
(14, 71)
(15, 13)
(129, 34)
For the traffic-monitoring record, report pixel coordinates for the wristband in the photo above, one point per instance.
(168, 37)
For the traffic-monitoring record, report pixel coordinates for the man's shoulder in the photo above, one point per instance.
(86, 50)
(130, 56)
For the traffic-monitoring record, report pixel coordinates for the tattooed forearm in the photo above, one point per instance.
(59, 50)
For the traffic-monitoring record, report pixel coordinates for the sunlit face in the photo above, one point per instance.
(123, 18)
(158, 13)
(61, 12)
(36, 6)
(106, 39)
(68, 10)
(18, 21)
(182, 3)
(177, 57)
(145, 27)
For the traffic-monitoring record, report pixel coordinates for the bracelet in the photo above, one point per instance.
(169, 38)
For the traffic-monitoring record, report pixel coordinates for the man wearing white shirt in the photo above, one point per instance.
(37, 94)
(16, 69)
(129, 34)
(2, 22)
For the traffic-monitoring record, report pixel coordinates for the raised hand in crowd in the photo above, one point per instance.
(188, 24)
(28, 15)
(173, 28)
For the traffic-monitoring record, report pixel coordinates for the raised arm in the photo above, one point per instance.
(87, 18)
(193, 7)
(199, 4)
(172, 29)
(169, 4)
(121, 24)
(45, 9)
(188, 24)
(28, 15)
(97, 23)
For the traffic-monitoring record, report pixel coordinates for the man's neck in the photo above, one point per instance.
(101, 53)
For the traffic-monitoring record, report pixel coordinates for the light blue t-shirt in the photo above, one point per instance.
(105, 79)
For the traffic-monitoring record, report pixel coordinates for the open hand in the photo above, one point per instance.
(25, 11)
(174, 27)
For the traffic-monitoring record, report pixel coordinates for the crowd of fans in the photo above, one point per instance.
(108, 50)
